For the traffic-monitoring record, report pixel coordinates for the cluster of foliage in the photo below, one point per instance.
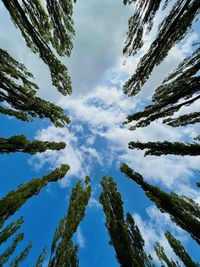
(19, 143)
(179, 89)
(63, 251)
(125, 235)
(42, 27)
(171, 30)
(18, 92)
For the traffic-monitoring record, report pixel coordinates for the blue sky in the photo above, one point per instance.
(96, 140)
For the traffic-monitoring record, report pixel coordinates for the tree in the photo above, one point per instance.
(40, 260)
(179, 89)
(63, 251)
(10, 229)
(9, 251)
(124, 234)
(172, 29)
(144, 13)
(15, 199)
(19, 143)
(163, 257)
(22, 256)
(180, 250)
(33, 21)
(165, 148)
(182, 210)
(19, 92)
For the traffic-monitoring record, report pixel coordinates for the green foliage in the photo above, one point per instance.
(15, 199)
(19, 259)
(182, 210)
(17, 90)
(144, 13)
(180, 250)
(184, 120)
(10, 230)
(179, 89)
(63, 251)
(9, 251)
(27, 17)
(124, 234)
(60, 12)
(19, 143)
(40, 260)
(38, 17)
(171, 31)
(163, 257)
(165, 148)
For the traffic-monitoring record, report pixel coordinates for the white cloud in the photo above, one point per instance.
(74, 155)
(80, 238)
(94, 203)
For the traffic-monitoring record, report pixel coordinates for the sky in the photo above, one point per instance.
(97, 142)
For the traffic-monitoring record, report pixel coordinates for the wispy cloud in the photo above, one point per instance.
(80, 238)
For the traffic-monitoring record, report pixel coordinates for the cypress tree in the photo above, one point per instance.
(171, 31)
(9, 251)
(165, 148)
(40, 260)
(124, 234)
(15, 199)
(182, 210)
(180, 250)
(17, 89)
(23, 255)
(182, 85)
(9, 230)
(144, 12)
(163, 257)
(63, 251)
(25, 17)
(19, 143)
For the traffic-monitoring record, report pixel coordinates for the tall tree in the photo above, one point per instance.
(179, 89)
(180, 250)
(19, 143)
(171, 31)
(22, 256)
(10, 229)
(9, 251)
(182, 210)
(165, 148)
(25, 17)
(15, 199)
(124, 234)
(163, 257)
(41, 258)
(63, 251)
(19, 92)
(144, 13)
